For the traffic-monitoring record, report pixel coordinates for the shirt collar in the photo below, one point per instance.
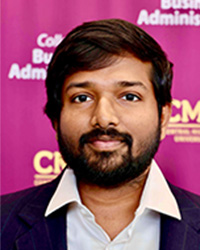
(156, 195)
(66, 192)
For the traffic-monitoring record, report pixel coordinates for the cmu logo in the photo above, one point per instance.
(47, 165)
(184, 123)
(185, 112)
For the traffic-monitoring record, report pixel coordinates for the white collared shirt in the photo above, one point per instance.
(142, 233)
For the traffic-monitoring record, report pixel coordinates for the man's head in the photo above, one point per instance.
(108, 88)
(92, 45)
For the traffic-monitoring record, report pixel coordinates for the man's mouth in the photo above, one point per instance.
(105, 143)
(109, 140)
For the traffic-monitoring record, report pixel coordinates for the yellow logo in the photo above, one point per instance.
(47, 165)
(184, 123)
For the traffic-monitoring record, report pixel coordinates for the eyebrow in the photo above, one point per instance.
(78, 85)
(131, 84)
(88, 84)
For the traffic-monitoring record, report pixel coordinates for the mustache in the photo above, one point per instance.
(111, 132)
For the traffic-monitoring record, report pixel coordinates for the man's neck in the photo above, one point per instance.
(113, 208)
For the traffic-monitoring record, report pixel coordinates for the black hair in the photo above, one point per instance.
(93, 45)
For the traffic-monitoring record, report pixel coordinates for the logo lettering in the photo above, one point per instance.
(187, 113)
(44, 40)
(55, 162)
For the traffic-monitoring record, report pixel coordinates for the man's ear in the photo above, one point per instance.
(165, 116)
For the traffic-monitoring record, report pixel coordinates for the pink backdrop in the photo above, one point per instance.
(30, 32)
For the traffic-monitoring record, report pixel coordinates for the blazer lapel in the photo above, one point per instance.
(38, 232)
(184, 234)
(48, 233)
(178, 235)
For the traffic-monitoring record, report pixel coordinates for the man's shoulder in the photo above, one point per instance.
(11, 198)
(16, 200)
(14, 203)
(185, 198)
(184, 233)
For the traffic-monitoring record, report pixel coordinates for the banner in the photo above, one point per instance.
(30, 32)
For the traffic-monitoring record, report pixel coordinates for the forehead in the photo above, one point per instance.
(124, 69)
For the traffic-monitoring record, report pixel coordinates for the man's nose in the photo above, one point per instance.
(104, 114)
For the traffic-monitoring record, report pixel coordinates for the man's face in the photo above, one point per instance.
(109, 128)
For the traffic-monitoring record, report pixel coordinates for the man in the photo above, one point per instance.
(108, 88)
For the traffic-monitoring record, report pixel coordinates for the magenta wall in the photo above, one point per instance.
(30, 32)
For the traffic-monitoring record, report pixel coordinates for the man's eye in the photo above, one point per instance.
(130, 97)
(81, 98)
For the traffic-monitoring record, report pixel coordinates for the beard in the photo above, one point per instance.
(108, 169)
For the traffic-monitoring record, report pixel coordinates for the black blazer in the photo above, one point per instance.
(24, 227)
